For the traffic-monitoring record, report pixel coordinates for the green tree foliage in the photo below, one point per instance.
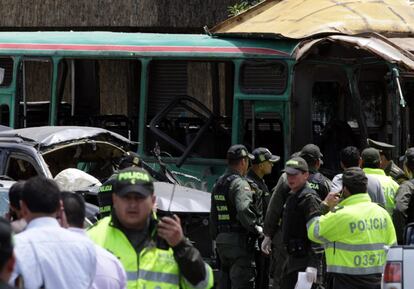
(238, 8)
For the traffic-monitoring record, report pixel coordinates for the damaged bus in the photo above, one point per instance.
(352, 76)
(192, 96)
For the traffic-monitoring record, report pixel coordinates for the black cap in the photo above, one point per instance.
(263, 154)
(129, 159)
(371, 156)
(295, 166)
(381, 146)
(133, 180)
(354, 177)
(408, 156)
(238, 151)
(311, 150)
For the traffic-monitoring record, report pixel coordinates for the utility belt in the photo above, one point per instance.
(231, 229)
(297, 247)
(245, 239)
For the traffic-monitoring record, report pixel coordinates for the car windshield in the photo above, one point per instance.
(96, 158)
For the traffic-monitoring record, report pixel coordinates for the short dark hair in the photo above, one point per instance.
(350, 157)
(355, 180)
(6, 245)
(74, 206)
(15, 194)
(41, 195)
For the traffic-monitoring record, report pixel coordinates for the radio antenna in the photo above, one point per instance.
(171, 198)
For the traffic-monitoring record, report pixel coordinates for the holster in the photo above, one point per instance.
(297, 248)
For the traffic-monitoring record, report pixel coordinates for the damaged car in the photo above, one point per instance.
(48, 150)
(81, 158)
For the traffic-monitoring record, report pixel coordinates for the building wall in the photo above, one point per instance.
(122, 15)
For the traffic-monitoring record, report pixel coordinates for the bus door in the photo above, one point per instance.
(336, 106)
(7, 90)
(263, 126)
(260, 112)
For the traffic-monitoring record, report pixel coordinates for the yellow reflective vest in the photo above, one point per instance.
(153, 268)
(389, 187)
(354, 236)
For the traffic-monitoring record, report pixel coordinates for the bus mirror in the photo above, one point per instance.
(2, 71)
(396, 77)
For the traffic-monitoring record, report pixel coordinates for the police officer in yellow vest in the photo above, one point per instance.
(371, 164)
(387, 164)
(133, 234)
(355, 235)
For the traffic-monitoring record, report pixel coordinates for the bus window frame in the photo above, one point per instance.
(143, 120)
(284, 98)
(264, 62)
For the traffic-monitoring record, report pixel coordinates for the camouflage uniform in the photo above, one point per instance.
(234, 226)
(262, 164)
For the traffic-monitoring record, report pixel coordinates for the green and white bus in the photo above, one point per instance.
(195, 95)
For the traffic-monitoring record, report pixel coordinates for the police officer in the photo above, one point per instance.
(273, 242)
(354, 235)
(273, 219)
(235, 225)
(317, 181)
(128, 159)
(404, 200)
(371, 164)
(387, 164)
(132, 233)
(301, 206)
(261, 165)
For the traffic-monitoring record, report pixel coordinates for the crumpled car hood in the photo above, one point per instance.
(46, 136)
(185, 200)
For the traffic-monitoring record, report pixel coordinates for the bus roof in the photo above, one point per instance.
(300, 19)
(72, 44)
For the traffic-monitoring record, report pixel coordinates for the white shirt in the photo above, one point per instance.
(374, 188)
(50, 255)
(110, 273)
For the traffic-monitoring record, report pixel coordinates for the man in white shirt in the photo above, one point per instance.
(350, 157)
(49, 256)
(110, 273)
